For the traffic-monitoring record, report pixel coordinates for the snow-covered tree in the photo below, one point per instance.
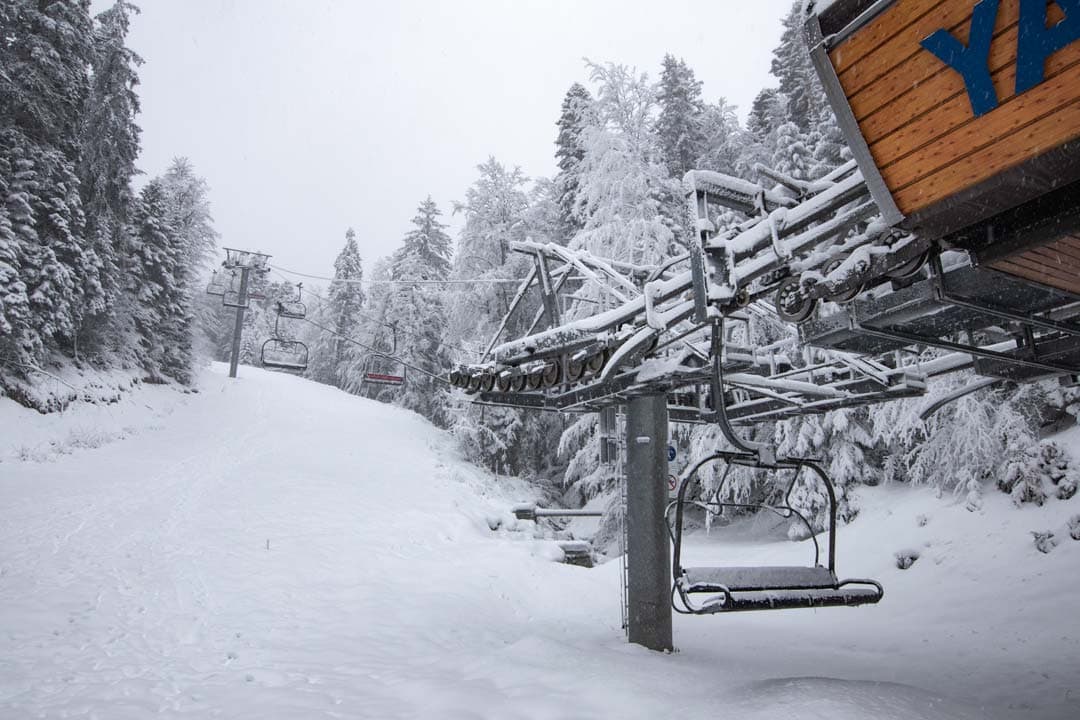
(842, 443)
(154, 259)
(189, 211)
(680, 123)
(427, 248)
(412, 316)
(340, 312)
(623, 180)
(16, 340)
(109, 146)
(576, 115)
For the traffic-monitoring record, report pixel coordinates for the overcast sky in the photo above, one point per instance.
(310, 116)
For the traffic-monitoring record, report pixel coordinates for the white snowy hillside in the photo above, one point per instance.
(274, 548)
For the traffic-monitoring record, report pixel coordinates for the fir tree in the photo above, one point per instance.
(45, 50)
(792, 67)
(569, 152)
(427, 249)
(341, 313)
(765, 114)
(623, 183)
(189, 211)
(680, 124)
(418, 317)
(151, 276)
(725, 140)
(792, 154)
(15, 224)
(13, 301)
(109, 143)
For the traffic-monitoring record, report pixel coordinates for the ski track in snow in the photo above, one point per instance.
(136, 580)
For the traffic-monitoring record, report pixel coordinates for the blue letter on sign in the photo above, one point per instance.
(972, 62)
(1035, 42)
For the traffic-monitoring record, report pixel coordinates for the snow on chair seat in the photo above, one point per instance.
(735, 588)
(856, 593)
(713, 579)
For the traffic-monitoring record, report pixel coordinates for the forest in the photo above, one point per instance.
(101, 267)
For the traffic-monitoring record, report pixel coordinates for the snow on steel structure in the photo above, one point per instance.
(964, 118)
(955, 227)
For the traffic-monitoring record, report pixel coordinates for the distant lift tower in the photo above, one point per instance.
(236, 289)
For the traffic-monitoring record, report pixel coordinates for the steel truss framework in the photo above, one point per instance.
(864, 297)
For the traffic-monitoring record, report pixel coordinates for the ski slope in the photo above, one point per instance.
(272, 548)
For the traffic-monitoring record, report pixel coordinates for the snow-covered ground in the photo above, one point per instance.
(271, 548)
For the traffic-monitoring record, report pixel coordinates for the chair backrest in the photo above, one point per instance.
(291, 355)
(383, 370)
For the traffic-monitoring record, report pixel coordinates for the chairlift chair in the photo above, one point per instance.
(235, 258)
(382, 369)
(217, 285)
(293, 309)
(736, 588)
(280, 354)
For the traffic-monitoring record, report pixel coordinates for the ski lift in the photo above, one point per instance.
(231, 298)
(293, 309)
(738, 588)
(245, 258)
(217, 285)
(382, 369)
(280, 354)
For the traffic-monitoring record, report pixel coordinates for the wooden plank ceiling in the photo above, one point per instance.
(1056, 264)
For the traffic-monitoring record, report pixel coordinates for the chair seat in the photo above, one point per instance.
(739, 579)
(849, 595)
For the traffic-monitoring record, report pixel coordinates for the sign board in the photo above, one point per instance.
(670, 453)
(956, 110)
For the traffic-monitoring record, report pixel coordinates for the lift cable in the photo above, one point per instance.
(370, 349)
(471, 281)
(323, 303)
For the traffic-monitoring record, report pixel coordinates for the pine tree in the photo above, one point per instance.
(792, 67)
(109, 144)
(792, 154)
(724, 142)
(13, 300)
(189, 211)
(341, 313)
(14, 305)
(419, 319)
(427, 249)
(495, 209)
(764, 114)
(623, 183)
(680, 124)
(45, 50)
(569, 152)
(151, 276)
